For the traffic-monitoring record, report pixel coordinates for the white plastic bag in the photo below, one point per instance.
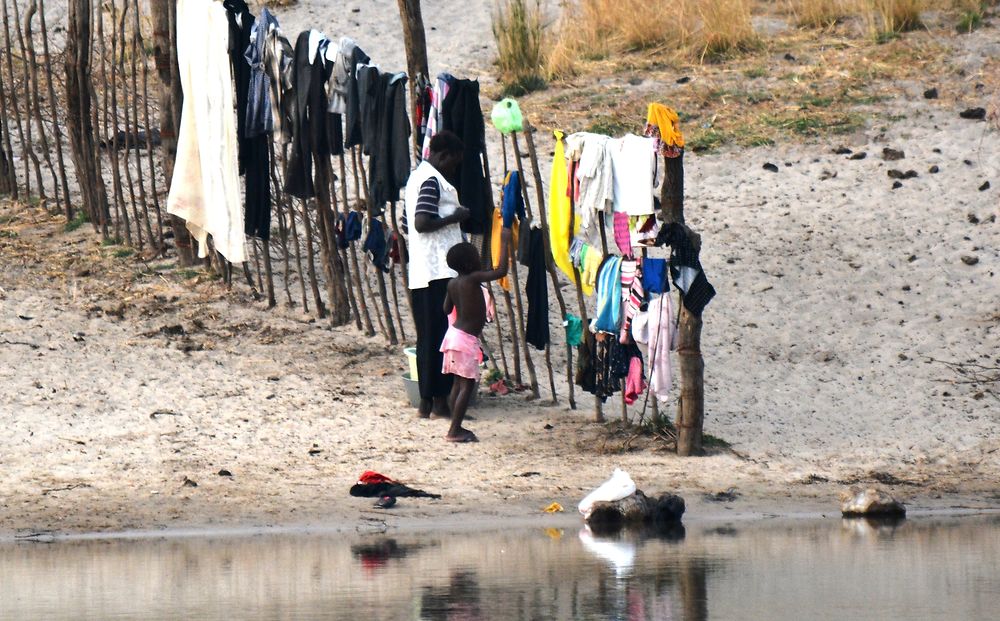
(619, 486)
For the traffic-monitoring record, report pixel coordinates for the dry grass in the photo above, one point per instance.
(819, 13)
(595, 29)
(519, 30)
(887, 18)
(725, 28)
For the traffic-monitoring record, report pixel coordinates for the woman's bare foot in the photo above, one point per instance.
(463, 435)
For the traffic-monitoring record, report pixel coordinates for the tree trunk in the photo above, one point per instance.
(164, 17)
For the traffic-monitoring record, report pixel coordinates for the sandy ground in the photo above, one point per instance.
(120, 380)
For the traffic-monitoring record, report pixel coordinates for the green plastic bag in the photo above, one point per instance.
(506, 116)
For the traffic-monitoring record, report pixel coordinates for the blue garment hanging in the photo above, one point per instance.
(609, 295)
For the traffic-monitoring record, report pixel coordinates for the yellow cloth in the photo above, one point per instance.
(553, 508)
(668, 122)
(591, 264)
(559, 211)
(495, 244)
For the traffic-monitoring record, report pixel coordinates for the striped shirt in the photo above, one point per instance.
(427, 200)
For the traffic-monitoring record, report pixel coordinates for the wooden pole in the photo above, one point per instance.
(28, 146)
(691, 404)
(52, 110)
(15, 100)
(111, 140)
(549, 263)
(164, 18)
(8, 176)
(124, 160)
(363, 294)
(160, 246)
(415, 44)
(31, 64)
(134, 131)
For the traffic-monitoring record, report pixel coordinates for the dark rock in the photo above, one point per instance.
(890, 155)
(895, 174)
(683, 80)
(860, 155)
(934, 169)
(842, 151)
(870, 502)
(728, 495)
(973, 218)
(896, 185)
(967, 162)
(931, 93)
(189, 483)
(910, 174)
(225, 473)
(635, 510)
(970, 259)
(771, 167)
(975, 114)
(985, 186)
(789, 57)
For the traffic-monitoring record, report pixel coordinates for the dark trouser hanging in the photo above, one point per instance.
(431, 324)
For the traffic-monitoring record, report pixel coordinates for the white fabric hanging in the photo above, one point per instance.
(205, 189)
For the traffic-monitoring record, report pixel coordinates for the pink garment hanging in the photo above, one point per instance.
(657, 329)
(623, 237)
(635, 383)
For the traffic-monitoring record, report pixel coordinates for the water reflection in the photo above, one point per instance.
(919, 569)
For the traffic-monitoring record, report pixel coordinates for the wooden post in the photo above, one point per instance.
(416, 55)
(28, 146)
(164, 18)
(52, 108)
(549, 263)
(691, 405)
(78, 115)
(36, 101)
(363, 293)
(12, 85)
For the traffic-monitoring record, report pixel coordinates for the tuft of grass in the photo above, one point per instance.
(887, 18)
(726, 29)
(708, 140)
(78, 220)
(597, 29)
(816, 101)
(519, 32)
(113, 241)
(755, 72)
(969, 21)
(8, 234)
(819, 13)
(610, 126)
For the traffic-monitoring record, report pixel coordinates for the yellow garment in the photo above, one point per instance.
(668, 122)
(553, 508)
(559, 210)
(495, 244)
(591, 265)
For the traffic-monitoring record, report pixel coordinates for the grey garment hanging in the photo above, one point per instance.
(259, 112)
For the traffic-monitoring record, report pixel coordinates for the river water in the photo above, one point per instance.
(922, 568)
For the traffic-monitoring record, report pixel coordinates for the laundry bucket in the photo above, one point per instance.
(411, 356)
(412, 390)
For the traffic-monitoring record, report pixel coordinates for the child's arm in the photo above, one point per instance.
(448, 305)
(501, 270)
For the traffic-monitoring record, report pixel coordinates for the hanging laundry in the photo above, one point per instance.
(259, 113)
(345, 62)
(462, 114)
(423, 91)
(574, 329)
(657, 329)
(593, 174)
(254, 156)
(496, 229)
(278, 62)
(685, 268)
(512, 199)
(559, 211)
(590, 258)
(437, 95)
(352, 113)
(633, 296)
(609, 296)
(377, 245)
(663, 125)
(387, 137)
(623, 236)
(204, 190)
(536, 330)
(654, 276)
(309, 132)
(635, 381)
(633, 160)
(643, 230)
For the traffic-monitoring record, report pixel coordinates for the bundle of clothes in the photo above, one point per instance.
(603, 201)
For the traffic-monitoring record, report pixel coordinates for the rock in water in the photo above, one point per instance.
(635, 510)
(870, 502)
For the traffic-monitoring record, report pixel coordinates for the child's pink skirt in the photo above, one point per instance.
(462, 354)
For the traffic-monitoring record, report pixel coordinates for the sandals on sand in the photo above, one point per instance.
(465, 436)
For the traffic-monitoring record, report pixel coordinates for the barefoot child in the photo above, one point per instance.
(462, 354)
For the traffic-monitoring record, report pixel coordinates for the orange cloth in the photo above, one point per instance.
(495, 244)
(668, 122)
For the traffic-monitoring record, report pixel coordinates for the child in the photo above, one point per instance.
(462, 354)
